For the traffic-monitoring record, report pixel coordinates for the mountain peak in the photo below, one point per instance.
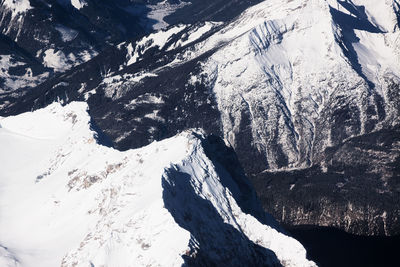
(164, 204)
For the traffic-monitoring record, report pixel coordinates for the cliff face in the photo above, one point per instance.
(356, 189)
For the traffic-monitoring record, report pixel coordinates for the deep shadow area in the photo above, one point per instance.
(101, 138)
(330, 247)
(233, 177)
(213, 242)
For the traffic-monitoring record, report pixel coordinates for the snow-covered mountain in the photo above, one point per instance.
(67, 199)
(306, 92)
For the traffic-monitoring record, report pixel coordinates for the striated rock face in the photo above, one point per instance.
(299, 83)
(171, 203)
(299, 89)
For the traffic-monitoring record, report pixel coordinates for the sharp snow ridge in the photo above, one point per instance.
(65, 199)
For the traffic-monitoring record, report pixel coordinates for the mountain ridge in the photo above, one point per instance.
(93, 205)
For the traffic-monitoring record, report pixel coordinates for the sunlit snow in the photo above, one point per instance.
(65, 199)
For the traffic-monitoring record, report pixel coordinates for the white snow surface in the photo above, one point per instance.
(157, 39)
(283, 61)
(58, 61)
(17, 6)
(78, 4)
(67, 200)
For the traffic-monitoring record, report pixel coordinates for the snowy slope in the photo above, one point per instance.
(65, 199)
(282, 64)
